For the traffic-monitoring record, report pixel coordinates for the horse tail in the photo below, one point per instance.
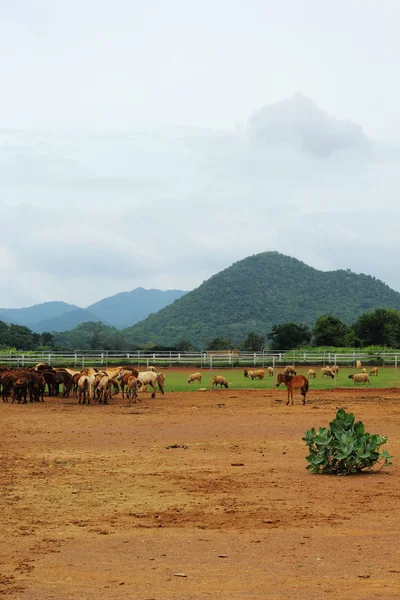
(160, 385)
(115, 384)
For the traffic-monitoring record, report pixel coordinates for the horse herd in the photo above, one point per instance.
(94, 385)
(86, 385)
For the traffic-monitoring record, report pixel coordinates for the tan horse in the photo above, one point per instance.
(293, 382)
(132, 387)
(105, 386)
(123, 377)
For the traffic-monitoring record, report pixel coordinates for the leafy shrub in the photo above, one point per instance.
(344, 447)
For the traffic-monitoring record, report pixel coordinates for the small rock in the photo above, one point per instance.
(180, 575)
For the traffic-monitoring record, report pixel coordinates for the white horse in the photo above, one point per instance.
(152, 379)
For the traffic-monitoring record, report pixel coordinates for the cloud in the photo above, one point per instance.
(89, 215)
(299, 123)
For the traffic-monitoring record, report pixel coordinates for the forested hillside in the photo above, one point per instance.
(258, 292)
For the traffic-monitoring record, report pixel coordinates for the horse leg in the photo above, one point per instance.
(153, 393)
(303, 393)
(288, 396)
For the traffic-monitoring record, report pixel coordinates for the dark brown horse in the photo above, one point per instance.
(293, 382)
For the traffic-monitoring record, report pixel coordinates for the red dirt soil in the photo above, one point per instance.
(192, 496)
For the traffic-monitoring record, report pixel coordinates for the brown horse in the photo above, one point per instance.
(293, 382)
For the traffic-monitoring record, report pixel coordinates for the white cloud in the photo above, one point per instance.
(87, 215)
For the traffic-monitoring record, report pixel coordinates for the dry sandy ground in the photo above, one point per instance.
(194, 495)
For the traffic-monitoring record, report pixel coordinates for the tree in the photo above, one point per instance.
(22, 337)
(220, 343)
(46, 338)
(254, 342)
(185, 346)
(380, 327)
(329, 331)
(288, 336)
(96, 339)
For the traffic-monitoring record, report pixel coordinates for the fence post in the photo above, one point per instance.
(254, 359)
(83, 362)
(273, 377)
(395, 369)
(75, 359)
(23, 360)
(210, 371)
(49, 358)
(334, 380)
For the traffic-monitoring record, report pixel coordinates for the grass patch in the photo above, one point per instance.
(177, 381)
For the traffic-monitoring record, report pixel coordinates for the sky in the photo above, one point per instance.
(152, 144)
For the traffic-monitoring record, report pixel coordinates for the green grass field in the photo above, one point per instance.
(177, 381)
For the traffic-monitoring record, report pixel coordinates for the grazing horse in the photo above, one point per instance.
(293, 382)
(152, 379)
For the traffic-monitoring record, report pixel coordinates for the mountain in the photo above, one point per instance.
(33, 314)
(125, 309)
(66, 321)
(258, 292)
(120, 310)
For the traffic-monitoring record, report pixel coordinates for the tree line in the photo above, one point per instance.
(380, 327)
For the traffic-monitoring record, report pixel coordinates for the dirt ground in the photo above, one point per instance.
(194, 495)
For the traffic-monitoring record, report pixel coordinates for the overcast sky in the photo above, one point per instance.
(154, 143)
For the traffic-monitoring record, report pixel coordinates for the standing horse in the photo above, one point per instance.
(152, 379)
(293, 382)
(146, 378)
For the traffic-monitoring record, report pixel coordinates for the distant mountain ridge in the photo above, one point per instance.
(126, 308)
(31, 315)
(121, 310)
(69, 320)
(258, 292)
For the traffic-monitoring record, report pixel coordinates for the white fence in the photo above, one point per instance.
(82, 358)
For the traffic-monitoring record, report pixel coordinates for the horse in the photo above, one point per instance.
(104, 386)
(146, 378)
(293, 382)
(123, 377)
(132, 386)
(151, 378)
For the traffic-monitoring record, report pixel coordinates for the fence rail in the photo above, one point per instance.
(82, 358)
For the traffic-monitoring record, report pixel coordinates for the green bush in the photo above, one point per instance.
(344, 447)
